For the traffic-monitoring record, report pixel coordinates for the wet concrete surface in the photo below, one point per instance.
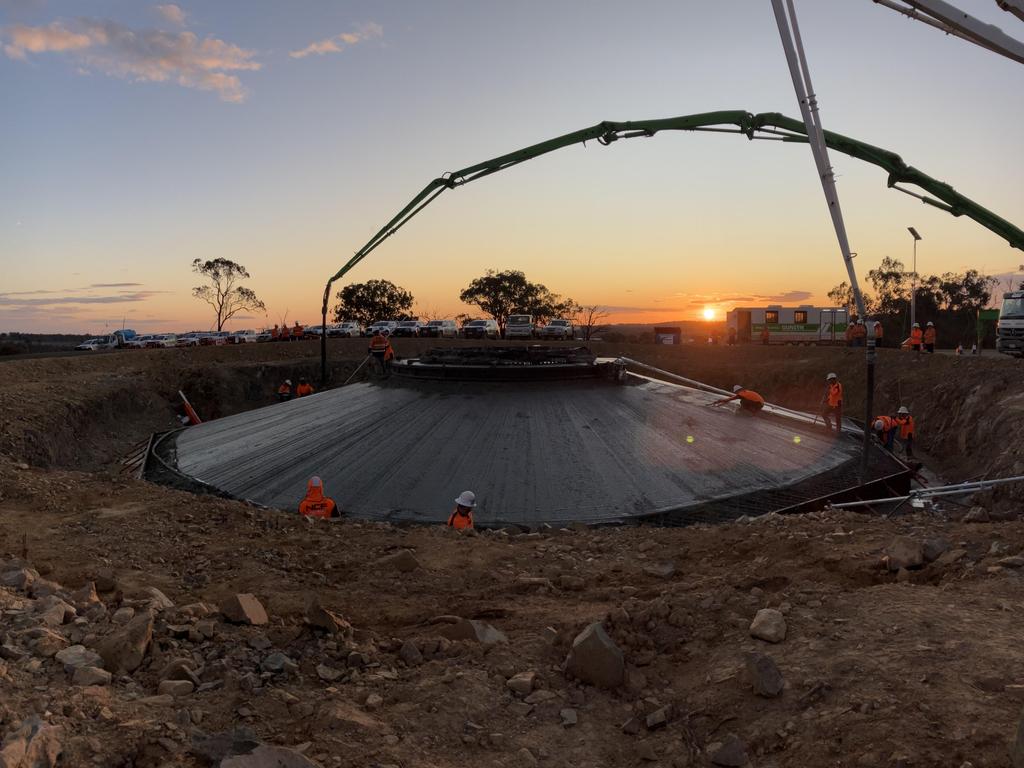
(538, 452)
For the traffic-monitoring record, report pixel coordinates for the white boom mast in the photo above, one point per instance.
(953, 21)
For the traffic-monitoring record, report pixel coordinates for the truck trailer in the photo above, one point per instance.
(788, 325)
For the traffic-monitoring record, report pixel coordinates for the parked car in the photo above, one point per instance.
(480, 329)
(190, 339)
(387, 327)
(140, 341)
(519, 327)
(91, 345)
(161, 340)
(214, 339)
(346, 330)
(446, 329)
(557, 329)
(315, 332)
(248, 336)
(407, 328)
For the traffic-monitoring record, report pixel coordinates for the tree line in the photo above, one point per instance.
(950, 300)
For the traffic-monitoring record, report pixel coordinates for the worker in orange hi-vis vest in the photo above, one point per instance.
(315, 504)
(929, 338)
(461, 517)
(750, 401)
(916, 337)
(878, 334)
(304, 388)
(832, 402)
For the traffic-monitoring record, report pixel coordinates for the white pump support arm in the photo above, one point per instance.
(953, 21)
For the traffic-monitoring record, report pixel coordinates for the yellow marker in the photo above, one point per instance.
(689, 438)
(796, 439)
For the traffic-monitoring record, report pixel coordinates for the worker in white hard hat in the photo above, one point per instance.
(832, 403)
(284, 392)
(885, 427)
(750, 401)
(905, 425)
(461, 517)
(929, 338)
(916, 337)
(878, 333)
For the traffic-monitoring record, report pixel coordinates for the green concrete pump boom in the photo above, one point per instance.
(767, 125)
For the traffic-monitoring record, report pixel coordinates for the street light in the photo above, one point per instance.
(913, 280)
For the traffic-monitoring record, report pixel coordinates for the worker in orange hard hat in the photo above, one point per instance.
(929, 338)
(304, 388)
(916, 337)
(315, 504)
(832, 402)
(750, 401)
(461, 517)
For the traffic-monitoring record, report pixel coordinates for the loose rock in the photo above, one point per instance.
(91, 676)
(269, 757)
(732, 753)
(904, 552)
(764, 674)
(77, 656)
(522, 683)
(476, 631)
(595, 658)
(569, 717)
(410, 654)
(244, 609)
(400, 562)
(769, 625)
(124, 650)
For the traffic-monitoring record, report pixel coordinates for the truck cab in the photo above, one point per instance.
(1010, 326)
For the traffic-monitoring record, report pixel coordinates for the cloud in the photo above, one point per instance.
(114, 285)
(15, 300)
(336, 44)
(172, 13)
(147, 55)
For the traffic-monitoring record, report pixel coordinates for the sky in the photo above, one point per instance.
(138, 137)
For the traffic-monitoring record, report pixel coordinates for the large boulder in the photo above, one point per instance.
(904, 552)
(124, 650)
(768, 625)
(34, 745)
(594, 658)
(244, 609)
(77, 656)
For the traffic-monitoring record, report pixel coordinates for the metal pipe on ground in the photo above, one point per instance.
(961, 489)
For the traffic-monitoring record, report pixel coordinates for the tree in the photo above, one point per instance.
(588, 320)
(224, 293)
(373, 300)
(500, 294)
(891, 282)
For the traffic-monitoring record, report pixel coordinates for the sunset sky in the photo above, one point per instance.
(137, 137)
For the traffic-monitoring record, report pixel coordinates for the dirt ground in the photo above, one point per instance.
(882, 666)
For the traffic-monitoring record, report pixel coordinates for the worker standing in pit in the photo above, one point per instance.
(929, 338)
(284, 392)
(750, 401)
(832, 403)
(905, 425)
(380, 348)
(885, 428)
(916, 337)
(315, 504)
(461, 517)
(304, 388)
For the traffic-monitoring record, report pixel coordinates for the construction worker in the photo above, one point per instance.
(304, 388)
(274, 333)
(849, 332)
(380, 348)
(461, 517)
(878, 334)
(916, 337)
(765, 335)
(750, 401)
(315, 504)
(285, 334)
(885, 428)
(905, 424)
(929, 338)
(860, 334)
(297, 332)
(832, 402)
(284, 392)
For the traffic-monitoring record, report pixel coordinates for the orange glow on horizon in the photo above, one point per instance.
(709, 313)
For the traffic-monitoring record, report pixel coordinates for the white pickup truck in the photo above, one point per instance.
(519, 327)
(557, 329)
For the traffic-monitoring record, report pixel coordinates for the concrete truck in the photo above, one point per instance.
(1010, 326)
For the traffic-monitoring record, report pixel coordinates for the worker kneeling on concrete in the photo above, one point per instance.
(284, 392)
(315, 504)
(304, 388)
(885, 428)
(832, 402)
(750, 401)
(461, 517)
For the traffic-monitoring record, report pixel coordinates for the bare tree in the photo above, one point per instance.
(224, 293)
(589, 320)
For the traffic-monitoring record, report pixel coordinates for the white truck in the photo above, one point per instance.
(788, 325)
(557, 329)
(519, 327)
(1010, 326)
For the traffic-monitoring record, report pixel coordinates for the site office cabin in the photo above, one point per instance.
(797, 325)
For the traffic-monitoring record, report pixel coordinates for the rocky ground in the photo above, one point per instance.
(142, 626)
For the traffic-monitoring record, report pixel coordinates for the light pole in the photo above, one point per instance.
(913, 280)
